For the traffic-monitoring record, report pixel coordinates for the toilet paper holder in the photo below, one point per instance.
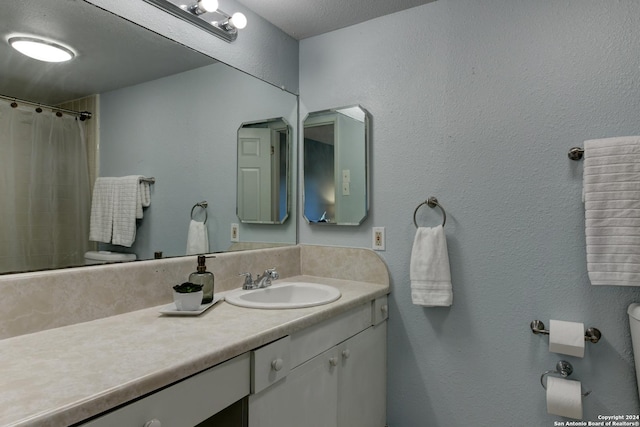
(591, 334)
(564, 369)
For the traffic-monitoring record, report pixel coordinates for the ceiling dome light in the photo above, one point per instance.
(41, 50)
(238, 20)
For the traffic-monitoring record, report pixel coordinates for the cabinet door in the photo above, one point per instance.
(306, 397)
(362, 381)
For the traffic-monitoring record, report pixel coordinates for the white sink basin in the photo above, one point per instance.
(284, 295)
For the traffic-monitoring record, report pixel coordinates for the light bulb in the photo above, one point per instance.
(41, 50)
(238, 20)
(203, 6)
(208, 5)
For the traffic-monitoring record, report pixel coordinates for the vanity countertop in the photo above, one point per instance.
(65, 375)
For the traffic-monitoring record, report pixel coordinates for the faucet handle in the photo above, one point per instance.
(248, 280)
(272, 273)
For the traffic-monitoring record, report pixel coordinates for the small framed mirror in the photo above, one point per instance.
(336, 166)
(263, 182)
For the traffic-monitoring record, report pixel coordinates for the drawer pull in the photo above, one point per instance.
(153, 423)
(346, 354)
(277, 364)
(384, 309)
(333, 361)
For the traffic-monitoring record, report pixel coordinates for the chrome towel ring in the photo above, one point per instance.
(203, 204)
(432, 202)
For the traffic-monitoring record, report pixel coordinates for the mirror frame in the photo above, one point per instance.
(288, 175)
(367, 163)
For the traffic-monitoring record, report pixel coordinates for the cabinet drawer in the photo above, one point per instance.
(269, 364)
(379, 310)
(318, 338)
(188, 402)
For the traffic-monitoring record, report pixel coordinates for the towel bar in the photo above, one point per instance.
(576, 153)
(432, 202)
(151, 180)
(203, 204)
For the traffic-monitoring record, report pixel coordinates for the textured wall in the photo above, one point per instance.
(477, 103)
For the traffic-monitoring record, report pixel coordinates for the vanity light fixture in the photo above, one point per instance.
(226, 29)
(40, 49)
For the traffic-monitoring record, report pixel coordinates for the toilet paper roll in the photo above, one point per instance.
(564, 397)
(566, 338)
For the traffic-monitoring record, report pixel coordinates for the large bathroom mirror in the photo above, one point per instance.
(263, 171)
(160, 109)
(336, 166)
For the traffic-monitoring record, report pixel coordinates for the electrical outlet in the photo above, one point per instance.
(235, 233)
(378, 239)
(346, 189)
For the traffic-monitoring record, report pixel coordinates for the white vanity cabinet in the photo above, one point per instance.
(332, 374)
(337, 376)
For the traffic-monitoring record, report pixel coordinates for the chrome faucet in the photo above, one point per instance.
(261, 281)
(265, 279)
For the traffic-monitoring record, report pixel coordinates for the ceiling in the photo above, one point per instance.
(306, 18)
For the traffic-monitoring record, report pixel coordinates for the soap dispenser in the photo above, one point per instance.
(204, 278)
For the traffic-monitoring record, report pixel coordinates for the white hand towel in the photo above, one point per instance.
(126, 201)
(430, 273)
(102, 203)
(611, 188)
(144, 198)
(198, 238)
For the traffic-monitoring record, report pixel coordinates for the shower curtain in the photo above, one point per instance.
(44, 190)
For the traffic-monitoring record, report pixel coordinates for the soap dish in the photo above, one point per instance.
(171, 310)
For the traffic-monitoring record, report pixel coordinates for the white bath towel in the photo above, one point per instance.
(116, 204)
(198, 238)
(126, 201)
(430, 273)
(101, 219)
(611, 189)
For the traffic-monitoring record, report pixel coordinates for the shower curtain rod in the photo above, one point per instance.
(82, 115)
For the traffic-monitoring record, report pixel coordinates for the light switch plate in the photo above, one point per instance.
(235, 232)
(378, 240)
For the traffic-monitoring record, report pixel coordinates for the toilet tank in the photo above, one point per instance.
(634, 325)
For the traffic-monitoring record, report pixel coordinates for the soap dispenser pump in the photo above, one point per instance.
(204, 278)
